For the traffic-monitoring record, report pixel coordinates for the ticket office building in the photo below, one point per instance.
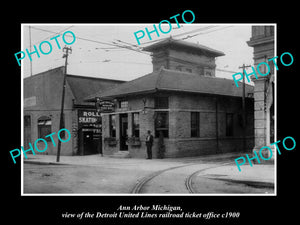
(202, 115)
(182, 99)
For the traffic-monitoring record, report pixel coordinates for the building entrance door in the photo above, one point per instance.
(89, 141)
(123, 132)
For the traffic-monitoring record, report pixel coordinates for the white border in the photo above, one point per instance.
(125, 194)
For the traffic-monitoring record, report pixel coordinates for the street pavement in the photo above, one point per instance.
(94, 174)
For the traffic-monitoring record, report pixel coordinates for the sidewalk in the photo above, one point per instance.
(97, 158)
(263, 173)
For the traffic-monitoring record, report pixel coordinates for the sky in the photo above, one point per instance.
(96, 51)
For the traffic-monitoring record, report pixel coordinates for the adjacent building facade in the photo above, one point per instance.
(186, 107)
(42, 101)
(262, 41)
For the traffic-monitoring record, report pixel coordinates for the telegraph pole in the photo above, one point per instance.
(61, 122)
(244, 106)
(30, 50)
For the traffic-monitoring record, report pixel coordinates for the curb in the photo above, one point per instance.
(44, 163)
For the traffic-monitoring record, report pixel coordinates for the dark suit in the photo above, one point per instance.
(149, 143)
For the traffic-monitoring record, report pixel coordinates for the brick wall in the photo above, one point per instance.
(180, 142)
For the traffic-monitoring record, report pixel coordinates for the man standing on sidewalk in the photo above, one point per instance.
(149, 142)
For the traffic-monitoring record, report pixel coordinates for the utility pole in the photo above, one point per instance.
(244, 106)
(30, 50)
(61, 122)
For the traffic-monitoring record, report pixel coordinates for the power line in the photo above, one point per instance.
(85, 39)
(196, 30)
(51, 35)
(110, 61)
(130, 48)
(190, 36)
(94, 41)
(177, 35)
(227, 71)
(127, 43)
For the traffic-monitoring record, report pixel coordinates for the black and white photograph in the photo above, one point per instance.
(167, 116)
(171, 117)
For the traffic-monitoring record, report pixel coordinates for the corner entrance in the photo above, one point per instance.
(123, 132)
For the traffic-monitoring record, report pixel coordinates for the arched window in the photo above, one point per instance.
(44, 127)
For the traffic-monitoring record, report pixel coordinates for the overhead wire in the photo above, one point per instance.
(95, 41)
(59, 32)
(177, 35)
(221, 28)
(128, 46)
(110, 61)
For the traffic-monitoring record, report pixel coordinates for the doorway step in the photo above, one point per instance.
(120, 154)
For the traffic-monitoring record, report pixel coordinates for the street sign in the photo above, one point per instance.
(104, 106)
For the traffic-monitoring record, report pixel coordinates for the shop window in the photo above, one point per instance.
(136, 124)
(112, 125)
(229, 124)
(195, 126)
(44, 127)
(161, 102)
(162, 123)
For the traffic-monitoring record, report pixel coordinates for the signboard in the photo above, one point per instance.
(89, 120)
(105, 106)
(31, 101)
(88, 116)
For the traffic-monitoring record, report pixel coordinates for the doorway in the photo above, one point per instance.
(123, 132)
(90, 141)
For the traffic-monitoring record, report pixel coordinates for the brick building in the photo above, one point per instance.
(182, 99)
(42, 101)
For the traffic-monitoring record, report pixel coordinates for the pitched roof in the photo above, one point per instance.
(170, 80)
(83, 86)
(184, 45)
